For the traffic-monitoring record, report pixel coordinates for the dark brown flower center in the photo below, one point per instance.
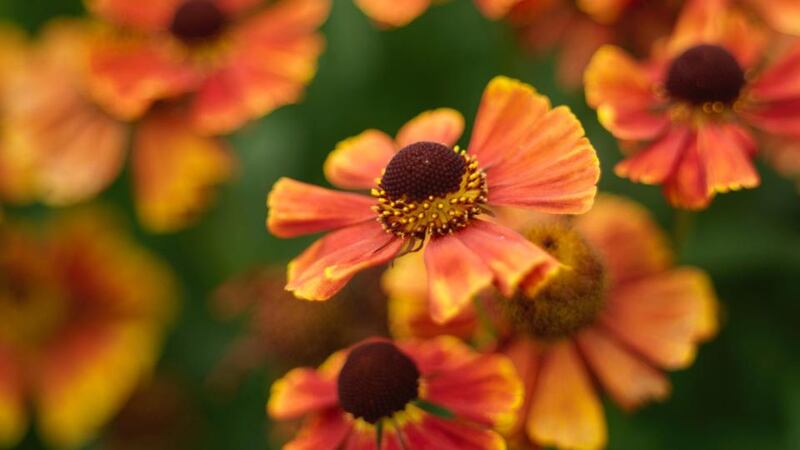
(572, 298)
(197, 20)
(423, 169)
(705, 73)
(376, 381)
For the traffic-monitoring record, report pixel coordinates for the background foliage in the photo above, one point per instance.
(744, 390)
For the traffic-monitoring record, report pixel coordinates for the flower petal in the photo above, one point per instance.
(153, 15)
(127, 75)
(525, 354)
(726, 151)
(325, 431)
(664, 316)
(175, 170)
(237, 6)
(431, 432)
(780, 80)
(510, 256)
(357, 162)
(782, 15)
(495, 9)
(566, 412)
(443, 125)
(629, 380)
(13, 413)
(656, 162)
(325, 267)
(778, 117)
(627, 238)
(273, 57)
(297, 208)
(687, 186)
(455, 275)
(622, 92)
(389, 13)
(301, 391)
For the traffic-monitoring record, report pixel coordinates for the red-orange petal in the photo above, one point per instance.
(687, 186)
(325, 431)
(664, 316)
(13, 410)
(152, 15)
(508, 255)
(455, 276)
(357, 162)
(782, 15)
(565, 410)
(780, 118)
(237, 6)
(301, 391)
(297, 208)
(656, 162)
(727, 152)
(443, 125)
(431, 432)
(780, 80)
(389, 13)
(627, 238)
(175, 170)
(495, 9)
(273, 57)
(325, 267)
(629, 380)
(127, 75)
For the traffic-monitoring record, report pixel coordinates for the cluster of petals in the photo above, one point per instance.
(84, 310)
(653, 318)
(534, 157)
(698, 149)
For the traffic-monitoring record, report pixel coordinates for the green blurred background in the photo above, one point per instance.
(742, 393)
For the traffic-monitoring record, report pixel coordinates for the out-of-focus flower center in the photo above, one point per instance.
(197, 21)
(376, 381)
(429, 189)
(569, 300)
(705, 74)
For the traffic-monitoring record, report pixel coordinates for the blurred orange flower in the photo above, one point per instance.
(84, 313)
(76, 149)
(436, 394)
(427, 193)
(616, 312)
(688, 111)
(236, 60)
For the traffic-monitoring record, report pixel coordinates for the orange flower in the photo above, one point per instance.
(77, 149)
(392, 14)
(427, 193)
(578, 28)
(691, 108)
(237, 60)
(616, 312)
(414, 394)
(84, 313)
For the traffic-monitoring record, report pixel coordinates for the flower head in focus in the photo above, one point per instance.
(616, 314)
(691, 112)
(234, 60)
(84, 314)
(429, 195)
(380, 394)
(75, 149)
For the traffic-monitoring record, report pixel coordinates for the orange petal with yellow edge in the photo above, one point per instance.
(297, 209)
(727, 152)
(658, 161)
(13, 410)
(484, 389)
(665, 316)
(455, 275)
(301, 391)
(565, 411)
(151, 15)
(389, 13)
(782, 15)
(604, 11)
(441, 354)
(357, 162)
(325, 431)
(175, 170)
(273, 56)
(443, 125)
(629, 380)
(525, 356)
(508, 255)
(627, 238)
(687, 186)
(325, 267)
(495, 9)
(432, 432)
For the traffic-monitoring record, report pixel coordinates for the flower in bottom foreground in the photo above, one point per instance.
(412, 395)
(429, 195)
(615, 314)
